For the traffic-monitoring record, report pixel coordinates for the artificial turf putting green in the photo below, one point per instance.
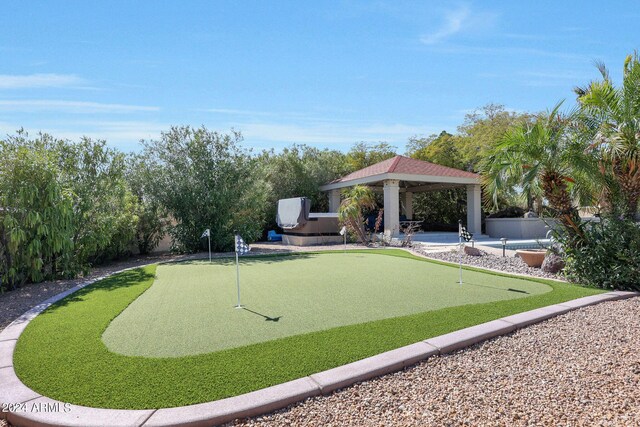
(190, 307)
(61, 353)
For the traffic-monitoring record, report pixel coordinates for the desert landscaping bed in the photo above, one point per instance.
(508, 264)
(581, 368)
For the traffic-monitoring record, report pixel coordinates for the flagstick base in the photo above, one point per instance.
(239, 306)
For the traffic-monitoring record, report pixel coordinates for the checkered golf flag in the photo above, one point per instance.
(241, 247)
(465, 234)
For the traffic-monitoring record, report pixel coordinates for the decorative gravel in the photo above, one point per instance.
(487, 260)
(582, 368)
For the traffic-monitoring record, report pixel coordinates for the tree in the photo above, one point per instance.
(152, 217)
(479, 133)
(482, 129)
(35, 213)
(205, 179)
(439, 208)
(355, 201)
(540, 158)
(611, 118)
(299, 171)
(441, 149)
(363, 154)
(105, 210)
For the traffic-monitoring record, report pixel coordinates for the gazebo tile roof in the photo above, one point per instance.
(407, 166)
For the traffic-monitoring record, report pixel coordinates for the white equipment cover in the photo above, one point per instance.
(293, 213)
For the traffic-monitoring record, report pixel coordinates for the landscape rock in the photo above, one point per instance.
(553, 263)
(472, 251)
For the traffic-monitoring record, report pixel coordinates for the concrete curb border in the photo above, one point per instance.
(22, 406)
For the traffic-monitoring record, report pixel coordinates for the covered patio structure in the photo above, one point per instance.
(399, 178)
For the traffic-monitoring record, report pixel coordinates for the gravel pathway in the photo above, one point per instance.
(487, 260)
(582, 368)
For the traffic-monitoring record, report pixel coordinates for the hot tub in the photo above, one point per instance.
(302, 228)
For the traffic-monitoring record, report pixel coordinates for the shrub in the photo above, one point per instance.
(440, 210)
(153, 219)
(104, 209)
(606, 254)
(64, 206)
(206, 180)
(509, 212)
(35, 214)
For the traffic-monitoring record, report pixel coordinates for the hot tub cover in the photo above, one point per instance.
(293, 213)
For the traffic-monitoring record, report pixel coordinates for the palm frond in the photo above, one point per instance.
(602, 68)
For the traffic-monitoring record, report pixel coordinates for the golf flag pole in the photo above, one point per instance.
(463, 234)
(343, 233)
(238, 280)
(241, 248)
(460, 248)
(207, 234)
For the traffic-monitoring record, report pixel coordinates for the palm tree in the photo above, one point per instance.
(542, 159)
(356, 200)
(611, 117)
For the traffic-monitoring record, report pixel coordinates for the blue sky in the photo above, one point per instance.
(326, 74)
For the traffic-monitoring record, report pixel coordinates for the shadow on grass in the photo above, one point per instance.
(116, 281)
(266, 318)
(495, 287)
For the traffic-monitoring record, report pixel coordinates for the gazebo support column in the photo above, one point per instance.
(406, 204)
(334, 200)
(474, 219)
(391, 207)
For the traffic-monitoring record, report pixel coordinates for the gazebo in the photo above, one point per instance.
(399, 177)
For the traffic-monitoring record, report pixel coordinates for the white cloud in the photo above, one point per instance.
(338, 134)
(80, 107)
(291, 133)
(453, 23)
(329, 133)
(9, 81)
(122, 134)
